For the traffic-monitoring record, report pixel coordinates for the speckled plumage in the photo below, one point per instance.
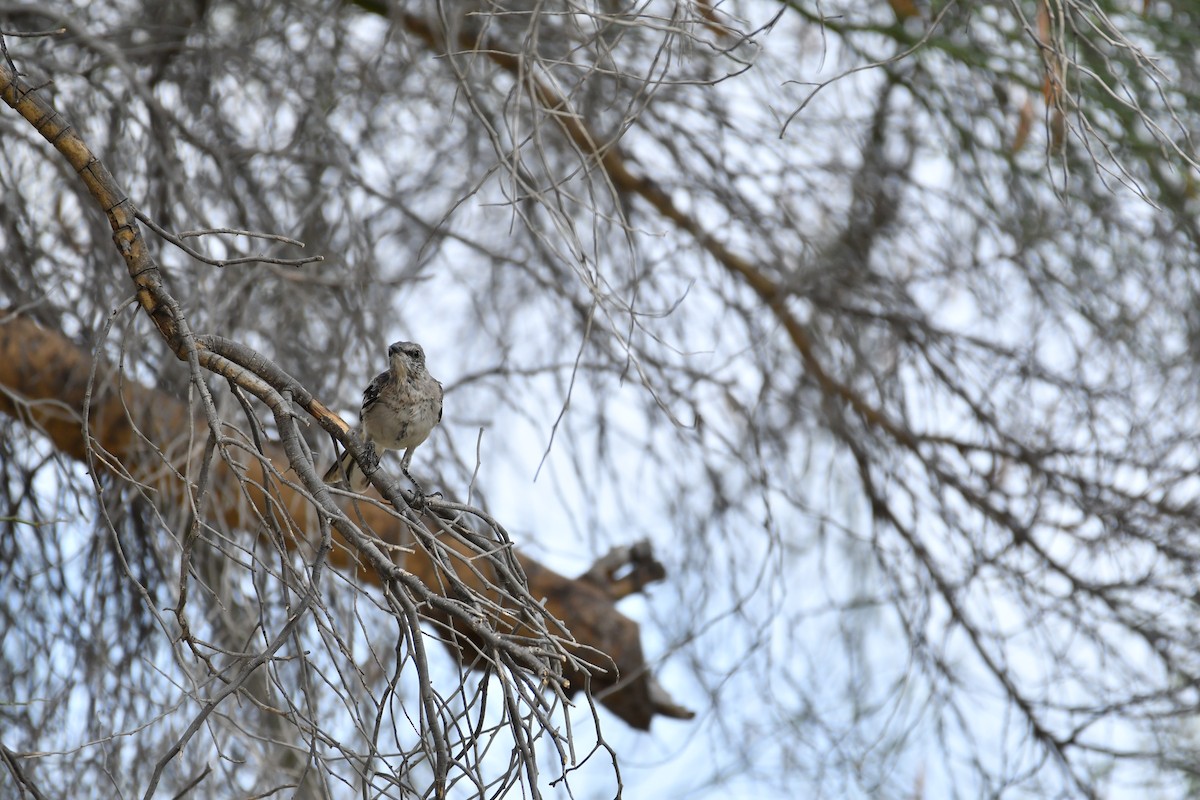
(399, 410)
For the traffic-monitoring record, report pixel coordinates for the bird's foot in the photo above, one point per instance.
(419, 496)
(370, 459)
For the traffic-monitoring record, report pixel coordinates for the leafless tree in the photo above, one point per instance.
(878, 320)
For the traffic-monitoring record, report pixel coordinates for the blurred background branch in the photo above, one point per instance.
(876, 321)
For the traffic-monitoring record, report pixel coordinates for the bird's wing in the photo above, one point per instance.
(441, 394)
(371, 394)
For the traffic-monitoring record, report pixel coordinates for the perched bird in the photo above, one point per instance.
(399, 409)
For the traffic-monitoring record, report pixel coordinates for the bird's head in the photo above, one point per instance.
(406, 357)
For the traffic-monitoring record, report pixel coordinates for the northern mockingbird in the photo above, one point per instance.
(399, 409)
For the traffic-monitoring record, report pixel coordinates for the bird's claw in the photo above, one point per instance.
(419, 497)
(421, 500)
(370, 459)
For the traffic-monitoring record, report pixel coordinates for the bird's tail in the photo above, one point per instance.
(345, 472)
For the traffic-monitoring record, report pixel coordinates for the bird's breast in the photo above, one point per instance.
(398, 426)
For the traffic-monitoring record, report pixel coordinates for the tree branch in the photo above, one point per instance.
(43, 381)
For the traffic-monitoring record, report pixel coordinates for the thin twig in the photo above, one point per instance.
(33, 34)
(238, 232)
(224, 262)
